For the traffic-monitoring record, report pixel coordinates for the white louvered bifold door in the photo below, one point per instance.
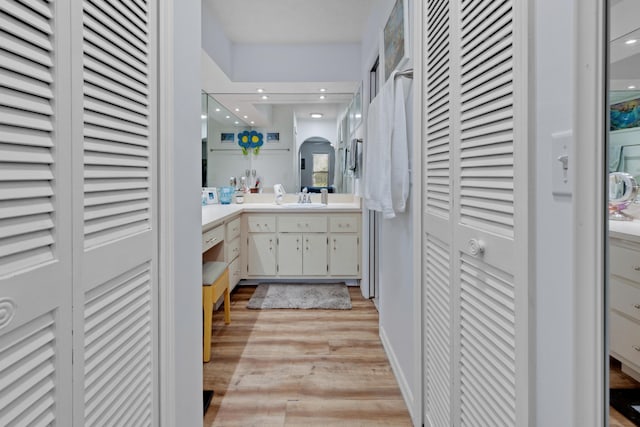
(485, 244)
(115, 105)
(437, 217)
(35, 215)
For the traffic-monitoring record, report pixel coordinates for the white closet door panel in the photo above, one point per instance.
(35, 216)
(437, 332)
(437, 104)
(117, 100)
(118, 349)
(487, 345)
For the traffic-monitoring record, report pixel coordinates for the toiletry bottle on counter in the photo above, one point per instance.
(324, 196)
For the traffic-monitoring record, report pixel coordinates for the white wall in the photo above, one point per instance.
(182, 107)
(310, 128)
(214, 40)
(554, 357)
(294, 63)
(396, 299)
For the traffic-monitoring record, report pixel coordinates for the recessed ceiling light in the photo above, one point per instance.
(246, 117)
(203, 116)
(252, 122)
(236, 122)
(265, 97)
(217, 110)
(631, 41)
(631, 87)
(228, 117)
(237, 109)
(322, 97)
(316, 115)
(260, 90)
(323, 90)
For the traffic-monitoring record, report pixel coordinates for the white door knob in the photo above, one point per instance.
(476, 247)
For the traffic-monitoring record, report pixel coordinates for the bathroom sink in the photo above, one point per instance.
(303, 205)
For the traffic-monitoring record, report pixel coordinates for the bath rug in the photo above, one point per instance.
(328, 296)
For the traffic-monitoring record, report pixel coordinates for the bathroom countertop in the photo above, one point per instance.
(213, 215)
(627, 230)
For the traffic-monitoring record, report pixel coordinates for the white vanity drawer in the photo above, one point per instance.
(234, 272)
(625, 298)
(261, 224)
(625, 262)
(343, 224)
(302, 224)
(625, 338)
(233, 229)
(233, 249)
(212, 237)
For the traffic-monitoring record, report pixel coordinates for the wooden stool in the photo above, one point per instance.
(215, 282)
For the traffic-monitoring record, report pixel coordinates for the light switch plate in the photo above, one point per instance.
(561, 167)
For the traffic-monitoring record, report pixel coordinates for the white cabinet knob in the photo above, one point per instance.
(476, 247)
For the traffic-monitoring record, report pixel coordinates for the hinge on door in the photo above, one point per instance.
(327, 240)
(277, 268)
(277, 240)
(327, 267)
(358, 240)
(358, 268)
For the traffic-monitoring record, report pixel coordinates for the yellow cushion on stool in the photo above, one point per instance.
(215, 278)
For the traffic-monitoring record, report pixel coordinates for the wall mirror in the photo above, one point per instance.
(305, 139)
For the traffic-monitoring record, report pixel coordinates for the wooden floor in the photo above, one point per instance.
(301, 367)
(618, 379)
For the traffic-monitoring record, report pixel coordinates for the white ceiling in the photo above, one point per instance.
(292, 21)
(271, 22)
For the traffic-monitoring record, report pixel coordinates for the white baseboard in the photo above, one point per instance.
(405, 389)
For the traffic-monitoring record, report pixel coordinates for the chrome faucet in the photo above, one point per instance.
(304, 197)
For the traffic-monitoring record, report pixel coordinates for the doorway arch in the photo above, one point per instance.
(313, 154)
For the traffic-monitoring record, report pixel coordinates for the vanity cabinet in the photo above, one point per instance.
(290, 245)
(261, 245)
(232, 251)
(624, 297)
(302, 254)
(344, 242)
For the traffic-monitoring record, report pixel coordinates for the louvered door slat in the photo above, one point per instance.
(118, 355)
(108, 84)
(113, 135)
(25, 49)
(119, 12)
(125, 48)
(28, 371)
(26, 126)
(17, 226)
(438, 336)
(103, 120)
(27, 78)
(41, 7)
(108, 17)
(95, 94)
(119, 77)
(106, 197)
(17, 28)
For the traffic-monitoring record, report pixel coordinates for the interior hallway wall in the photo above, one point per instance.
(183, 108)
(554, 309)
(396, 299)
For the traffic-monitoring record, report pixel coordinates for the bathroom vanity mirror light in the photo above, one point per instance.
(623, 190)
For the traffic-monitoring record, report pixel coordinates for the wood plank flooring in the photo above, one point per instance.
(301, 367)
(618, 379)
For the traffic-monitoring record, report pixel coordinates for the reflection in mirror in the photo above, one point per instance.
(305, 143)
(623, 189)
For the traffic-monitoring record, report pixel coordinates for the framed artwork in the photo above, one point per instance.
(273, 136)
(625, 115)
(226, 137)
(395, 38)
(211, 195)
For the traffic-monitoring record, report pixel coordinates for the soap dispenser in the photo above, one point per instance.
(278, 190)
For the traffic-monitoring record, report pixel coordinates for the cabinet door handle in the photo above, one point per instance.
(636, 267)
(334, 244)
(636, 348)
(636, 306)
